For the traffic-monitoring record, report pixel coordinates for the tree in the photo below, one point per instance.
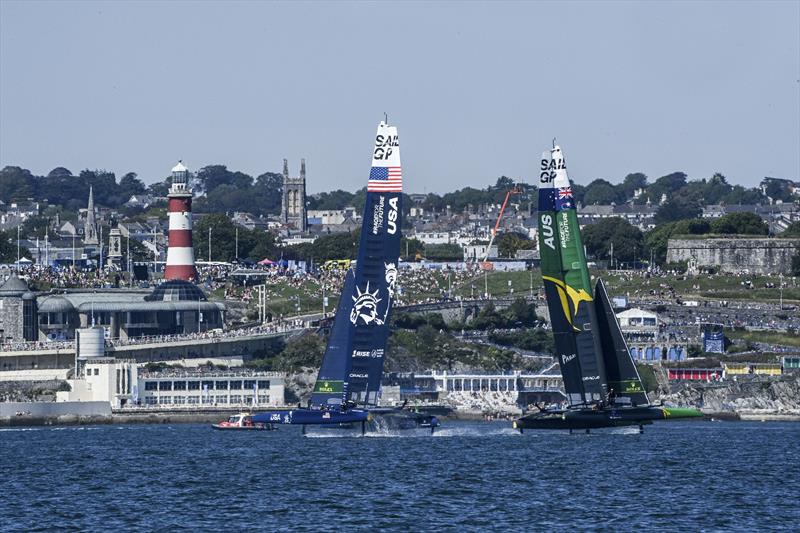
(444, 252)
(509, 243)
(8, 248)
(601, 192)
(740, 224)
(16, 184)
(657, 238)
(130, 185)
(793, 230)
(631, 183)
(410, 248)
(223, 238)
(628, 240)
(304, 351)
(678, 208)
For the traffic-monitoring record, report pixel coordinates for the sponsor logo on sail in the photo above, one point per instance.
(365, 307)
(377, 215)
(567, 358)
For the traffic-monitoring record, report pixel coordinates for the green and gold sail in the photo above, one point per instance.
(567, 284)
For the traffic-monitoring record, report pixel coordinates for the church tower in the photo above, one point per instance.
(293, 206)
(90, 226)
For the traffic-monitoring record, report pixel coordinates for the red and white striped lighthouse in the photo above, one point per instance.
(180, 254)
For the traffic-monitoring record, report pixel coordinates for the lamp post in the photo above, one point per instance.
(209, 245)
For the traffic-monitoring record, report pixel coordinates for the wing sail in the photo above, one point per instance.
(353, 363)
(568, 285)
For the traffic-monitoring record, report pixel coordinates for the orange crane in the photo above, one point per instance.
(511, 192)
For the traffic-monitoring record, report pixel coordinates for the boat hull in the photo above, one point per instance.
(601, 418)
(357, 420)
(258, 427)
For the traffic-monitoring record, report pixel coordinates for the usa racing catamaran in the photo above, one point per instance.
(602, 384)
(348, 385)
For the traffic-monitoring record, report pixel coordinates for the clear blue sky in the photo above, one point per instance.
(476, 89)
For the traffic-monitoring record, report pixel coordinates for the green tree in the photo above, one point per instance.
(508, 243)
(409, 248)
(130, 185)
(8, 248)
(628, 240)
(631, 183)
(740, 224)
(223, 238)
(16, 184)
(657, 238)
(601, 192)
(678, 208)
(444, 252)
(793, 230)
(304, 351)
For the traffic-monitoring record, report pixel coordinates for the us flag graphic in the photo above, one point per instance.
(385, 179)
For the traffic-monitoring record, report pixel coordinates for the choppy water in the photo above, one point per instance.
(677, 476)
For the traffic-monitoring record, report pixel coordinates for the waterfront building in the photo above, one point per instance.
(695, 374)
(228, 388)
(174, 307)
(103, 380)
(180, 253)
(123, 383)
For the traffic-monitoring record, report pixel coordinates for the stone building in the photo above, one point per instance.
(293, 206)
(90, 226)
(756, 255)
(17, 311)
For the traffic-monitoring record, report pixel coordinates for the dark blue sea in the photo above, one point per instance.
(712, 476)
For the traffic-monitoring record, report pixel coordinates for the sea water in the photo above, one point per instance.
(679, 476)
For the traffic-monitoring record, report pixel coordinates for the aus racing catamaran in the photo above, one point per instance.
(602, 384)
(347, 389)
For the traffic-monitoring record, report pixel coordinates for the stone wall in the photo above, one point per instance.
(11, 319)
(735, 254)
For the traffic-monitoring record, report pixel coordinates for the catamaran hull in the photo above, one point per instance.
(601, 418)
(356, 420)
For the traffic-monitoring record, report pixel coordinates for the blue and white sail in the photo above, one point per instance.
(352, 366)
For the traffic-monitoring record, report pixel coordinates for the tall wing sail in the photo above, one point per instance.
(329, 388)
(574, 287)
(621, 372)
(376, 270)
(555, 294)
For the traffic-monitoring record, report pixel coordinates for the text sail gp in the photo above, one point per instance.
(347, 389)
(601, 382)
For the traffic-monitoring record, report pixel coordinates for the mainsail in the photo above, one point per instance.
(353, 363)
(568, 285)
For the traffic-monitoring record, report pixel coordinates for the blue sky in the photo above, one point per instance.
(476, 89)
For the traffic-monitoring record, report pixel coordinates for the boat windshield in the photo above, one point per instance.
(234, 419)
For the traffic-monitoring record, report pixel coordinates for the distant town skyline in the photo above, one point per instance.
(477, 90)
